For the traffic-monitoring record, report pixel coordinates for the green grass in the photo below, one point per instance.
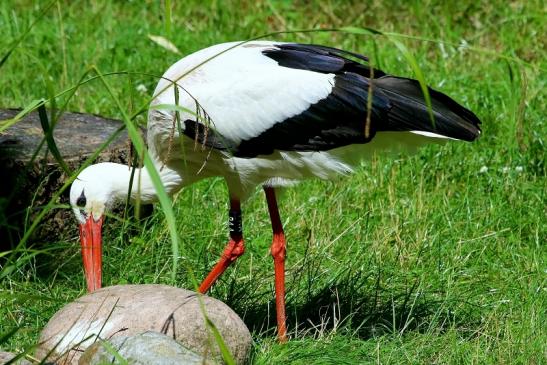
(435, 258)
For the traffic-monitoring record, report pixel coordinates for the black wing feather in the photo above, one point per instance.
(409, 111)
(340, 119)
(320, 59)
(335, 121)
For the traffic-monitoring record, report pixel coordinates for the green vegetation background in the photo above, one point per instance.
(435, 258)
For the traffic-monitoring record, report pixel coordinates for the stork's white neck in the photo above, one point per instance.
(142, 183)
(114, 180)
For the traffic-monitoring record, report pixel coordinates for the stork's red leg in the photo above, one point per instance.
(232, 251)
(278, 250)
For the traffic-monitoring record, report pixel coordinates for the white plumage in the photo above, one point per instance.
(246, 98)
(245, 93)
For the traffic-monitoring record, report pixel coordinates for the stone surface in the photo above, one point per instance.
(126, 310)
(7, 356)
(148, 348)
(75, 134)
(27, 184)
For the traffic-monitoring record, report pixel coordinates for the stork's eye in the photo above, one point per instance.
(81, 201)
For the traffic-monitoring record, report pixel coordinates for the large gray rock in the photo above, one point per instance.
(149, 348)
(125, 310)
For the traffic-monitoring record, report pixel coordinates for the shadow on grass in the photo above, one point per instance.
(354, 300)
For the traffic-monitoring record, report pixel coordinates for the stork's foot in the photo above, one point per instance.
(232, 251)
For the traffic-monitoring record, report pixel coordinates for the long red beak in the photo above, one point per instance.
(91, 239)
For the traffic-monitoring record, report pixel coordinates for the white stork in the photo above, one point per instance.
(270, 114)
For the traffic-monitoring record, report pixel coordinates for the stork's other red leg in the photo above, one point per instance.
(278, 250)
(232, 251)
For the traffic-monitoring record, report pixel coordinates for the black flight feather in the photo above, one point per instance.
(408, 110)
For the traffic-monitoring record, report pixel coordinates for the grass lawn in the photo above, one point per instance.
(435, 258)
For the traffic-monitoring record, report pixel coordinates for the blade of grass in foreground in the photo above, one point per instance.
(18, 41)
(118, 358)
(227, 357)
(418, 73)
(409, 58)
(29, 108)
(4, 337)
(163, 198)
(48, 132)
(168, 10)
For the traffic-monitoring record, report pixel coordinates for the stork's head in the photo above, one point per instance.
(91, 195)
(94, 192)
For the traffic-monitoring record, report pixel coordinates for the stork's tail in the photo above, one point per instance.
(408, 110)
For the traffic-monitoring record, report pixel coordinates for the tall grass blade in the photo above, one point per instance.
(168, 10)
(408, 56)
(480, 50)
(4, 337)
(360, 30)
(226, 355)
(163, 198)
(521, 111)
(21, 297)
(417, 73)
(15, 360)
(173, 107)
(48, 133)
(13, 264)
(118, 358)
(18, 41)
(29, 108)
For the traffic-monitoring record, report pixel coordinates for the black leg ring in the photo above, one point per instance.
(235, 222)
